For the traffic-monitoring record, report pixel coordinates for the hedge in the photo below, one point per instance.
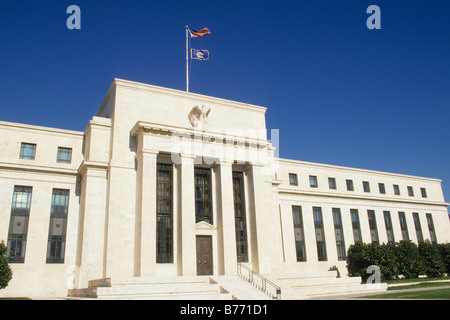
(5, 270)
(405, 258)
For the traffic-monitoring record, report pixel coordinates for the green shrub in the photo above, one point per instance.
(387, 261)
(444, 250)
(432, 260)
(361, 255)
(409, 262)
(404, 258)
(5, 270)
(357, 259)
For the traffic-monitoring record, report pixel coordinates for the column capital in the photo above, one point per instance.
(186, 155)
(146, 152)
(226, 162)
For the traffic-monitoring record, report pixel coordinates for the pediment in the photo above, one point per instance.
(204, 226)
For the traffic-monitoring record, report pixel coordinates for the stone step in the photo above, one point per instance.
(305, 282)
(239, 288)
(297, 292)
(133, 288)
(301, 286)
(169, 296)
(293, 286)
(166, 288)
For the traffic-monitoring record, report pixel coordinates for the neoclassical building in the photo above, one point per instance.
(166, 183)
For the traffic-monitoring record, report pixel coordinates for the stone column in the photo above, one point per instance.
(145, 247)
(91, 241)
(187, 201)
(226, 210)
(265, 222)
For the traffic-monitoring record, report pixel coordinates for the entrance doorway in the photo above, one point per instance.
(204, 255)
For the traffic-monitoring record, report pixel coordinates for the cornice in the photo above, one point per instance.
(29, 127)
(183, 94)
(142, 127)
(85, 165)
(359, 197)
(37, 169)
(350, 169)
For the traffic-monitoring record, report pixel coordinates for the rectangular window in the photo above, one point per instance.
(396, 190)
(299, 233)
(410, 191)
(64, 155)
(373, 226)
(313, 181)
(339, 232)
(349, 185)
(355, 224)
(332, 183)
(240, 219)
(58, 226)
(366, 186)
(403, 225)
(431, 228)
(388, 223)
(27, 151)
(18, 224)
(418, 227)
(320, 234)
(203, 201)
(164, 214)
(381, 188)
(423, 191)
(293, 179)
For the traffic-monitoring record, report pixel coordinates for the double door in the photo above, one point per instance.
(204, 255)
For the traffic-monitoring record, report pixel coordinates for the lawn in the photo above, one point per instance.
(432, 294)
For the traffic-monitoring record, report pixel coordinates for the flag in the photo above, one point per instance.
(199, 54)
(199, 33)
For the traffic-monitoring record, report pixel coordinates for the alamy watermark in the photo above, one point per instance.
(239, 146)
(74, 20)
(374, 280)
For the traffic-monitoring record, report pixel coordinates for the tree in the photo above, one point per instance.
(5, 270)
(409, 262)
(429, 252)
(444, 249)
(387, 261)
(357, 259)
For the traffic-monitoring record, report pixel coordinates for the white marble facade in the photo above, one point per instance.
(112, 181)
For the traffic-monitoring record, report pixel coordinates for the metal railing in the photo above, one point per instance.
(257, 280)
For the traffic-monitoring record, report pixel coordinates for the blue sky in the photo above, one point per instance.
(338, 92)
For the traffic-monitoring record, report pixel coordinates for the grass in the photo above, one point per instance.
(430, 286)
(397, 281)
(420, 286)
(440, 294)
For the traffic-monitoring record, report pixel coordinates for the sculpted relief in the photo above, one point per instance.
(198, 116)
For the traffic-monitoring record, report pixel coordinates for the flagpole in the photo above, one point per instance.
(187, 60)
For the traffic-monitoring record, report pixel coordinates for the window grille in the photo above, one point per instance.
(64, 155)
(27, 151)
(18, 224)
(240, 217)
(164, 215)
(320, 234)
(339, 233)
(58, 226)
(299, 233)
(373, 226)
(203, 203)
